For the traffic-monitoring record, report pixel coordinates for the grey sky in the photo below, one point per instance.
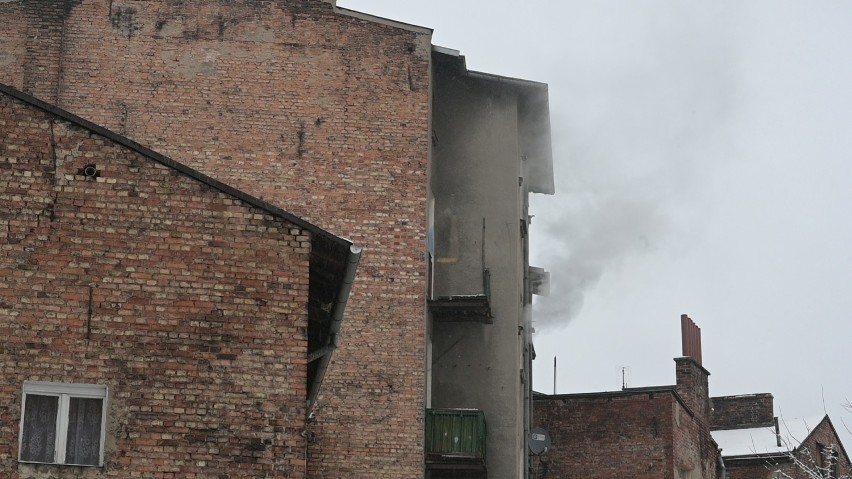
(702, 153)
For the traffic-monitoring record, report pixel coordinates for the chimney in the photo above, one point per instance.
(690, 338)
(692, 378)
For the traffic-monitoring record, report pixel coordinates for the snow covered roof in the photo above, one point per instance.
(762, 440)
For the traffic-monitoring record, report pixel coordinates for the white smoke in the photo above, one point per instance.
(641, 116)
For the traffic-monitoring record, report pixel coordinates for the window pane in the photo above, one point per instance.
(39, 437)
(84, 431)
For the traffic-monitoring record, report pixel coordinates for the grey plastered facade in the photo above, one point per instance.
(490, 149)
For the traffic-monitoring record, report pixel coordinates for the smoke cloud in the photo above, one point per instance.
(642, 116)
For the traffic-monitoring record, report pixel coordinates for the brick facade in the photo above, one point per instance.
(638, 434)
(750, 410)
(807, 457)
(188, 303)
(287, 100)
(757, 411)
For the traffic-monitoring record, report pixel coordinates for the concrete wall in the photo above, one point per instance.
(475, 183)
(323, 114)
(190, 305)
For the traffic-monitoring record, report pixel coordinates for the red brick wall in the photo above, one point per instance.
(693, 386)
(753, 469)
(605, 437)
(751, 410)
(322, 114)
(198, 307)
(637, 435)
(694, 448)
(824, 435)
(807, 456)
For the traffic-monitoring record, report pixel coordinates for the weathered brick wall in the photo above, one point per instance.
(606, 437)
(190, 305)
(750, 410)
(694, 448)
(693, 386)
(807, 456)
(322, 114)
(758, 469)
(640, 435)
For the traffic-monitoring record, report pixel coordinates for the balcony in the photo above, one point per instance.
(455, 443)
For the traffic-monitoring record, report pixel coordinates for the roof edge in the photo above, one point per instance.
(514, 81)
(382, 20)
(614, 394)
(166, 161)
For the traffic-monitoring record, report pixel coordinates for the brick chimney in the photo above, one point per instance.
(692, 378)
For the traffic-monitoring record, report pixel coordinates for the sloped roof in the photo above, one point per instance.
(762, 441)
(533, 115)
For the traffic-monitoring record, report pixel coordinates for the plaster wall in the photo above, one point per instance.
(478, 208)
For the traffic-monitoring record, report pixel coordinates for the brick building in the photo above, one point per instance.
(156, 321)
(336, 116)
(758, 445)
(653, 432)
(680, 432)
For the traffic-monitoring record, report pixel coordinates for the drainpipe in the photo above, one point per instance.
(336, 321)
(724, 471)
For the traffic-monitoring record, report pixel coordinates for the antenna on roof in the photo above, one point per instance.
(624, 377)
(554, 375)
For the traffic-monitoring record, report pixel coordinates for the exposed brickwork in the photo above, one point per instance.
(189, 304)
(606, 435)
(693, 386)
(807, 454)
(290, 102)
(750, 410)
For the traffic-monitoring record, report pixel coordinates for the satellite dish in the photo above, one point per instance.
(539, 441)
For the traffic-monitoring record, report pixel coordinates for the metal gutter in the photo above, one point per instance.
(336, 321)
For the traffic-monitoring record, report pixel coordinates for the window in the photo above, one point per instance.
(828, 462)
(63, 423)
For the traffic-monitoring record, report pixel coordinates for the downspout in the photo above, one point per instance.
(324, 355)
(724, 471)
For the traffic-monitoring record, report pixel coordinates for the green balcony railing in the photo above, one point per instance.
(455, 434)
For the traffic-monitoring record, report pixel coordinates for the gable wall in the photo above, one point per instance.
(324, 115)
(189, 305)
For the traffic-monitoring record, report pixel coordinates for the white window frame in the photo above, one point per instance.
(64, 391)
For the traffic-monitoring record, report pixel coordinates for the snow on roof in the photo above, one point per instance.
(762, 440)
